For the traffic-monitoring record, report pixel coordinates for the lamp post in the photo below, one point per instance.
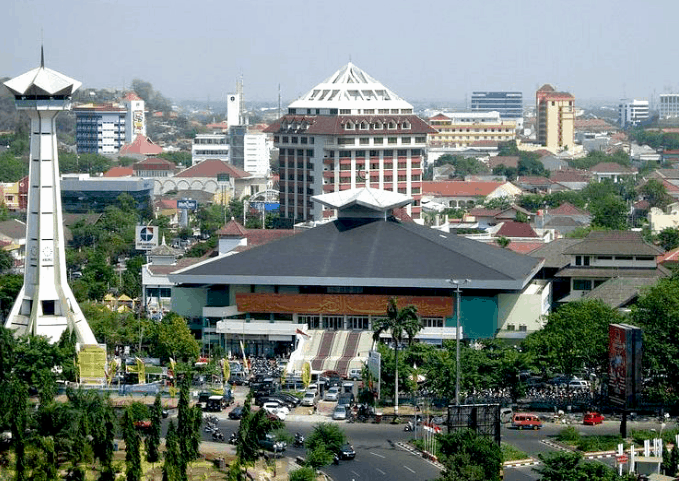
(457, 284)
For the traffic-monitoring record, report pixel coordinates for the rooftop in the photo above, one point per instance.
(614, 243)
(460, 188)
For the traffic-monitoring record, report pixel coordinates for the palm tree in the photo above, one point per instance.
(398, 323)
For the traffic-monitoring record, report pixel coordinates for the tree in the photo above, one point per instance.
(503, 241)
(327, 436)
(399, 324)
(172, 455)
(609, 212)
(319, 456)
(302, 474)
(132, 448)
(655, 193)
(470, 456)
(529, 164)
(173, 339)
(568, 466)
(6, 261)
(575, 337)
(669, 238)
(153, 439)
(185, 428)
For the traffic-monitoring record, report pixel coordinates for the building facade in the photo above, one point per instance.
(632, 112)
(209, 146)
(256, 153)
(508, 104)
(555, 112)
(100, 129)
(668, 108)
(135, 117)
(460, 130)
(349, 131)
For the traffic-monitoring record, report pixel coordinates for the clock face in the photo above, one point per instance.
(47, 251)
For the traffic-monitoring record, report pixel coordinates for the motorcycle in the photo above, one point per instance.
(218, 436)
(335, 459)
(299, 440)
(409, 426)
(233, 439)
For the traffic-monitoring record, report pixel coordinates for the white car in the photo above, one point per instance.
(309, 399)
(339, 413)
(281, 412)
(332, 394)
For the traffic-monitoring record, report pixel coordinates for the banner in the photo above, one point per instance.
(92, 363)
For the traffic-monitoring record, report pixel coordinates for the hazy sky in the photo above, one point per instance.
(419, 49)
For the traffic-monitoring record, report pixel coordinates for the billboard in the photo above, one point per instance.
(189, 204)
(375, 368)
(624, 364)
(92, 363)
(146, 237)
(482, 418)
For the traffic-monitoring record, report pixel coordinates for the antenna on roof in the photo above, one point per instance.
(42, 49)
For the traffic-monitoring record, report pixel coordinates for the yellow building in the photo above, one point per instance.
(462, 129)
(555, 118)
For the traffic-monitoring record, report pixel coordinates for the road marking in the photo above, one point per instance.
(357, 475)
(378, 455)
(409, 469)
(380, 471)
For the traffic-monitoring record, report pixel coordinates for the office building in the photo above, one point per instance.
(555, 112)
(209, 146)
(460, 130)
(349, 131)
(508, 104)
(632, 112)
(669, 106)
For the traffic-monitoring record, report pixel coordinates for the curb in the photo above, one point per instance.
(521, 463)
(426, 456)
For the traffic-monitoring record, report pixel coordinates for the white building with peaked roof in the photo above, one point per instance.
(349, 131)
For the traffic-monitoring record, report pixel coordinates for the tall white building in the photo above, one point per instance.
(632, 112)
(669, 106)
(135, 118)
(209, 146)
(349, 131)
(257, 153)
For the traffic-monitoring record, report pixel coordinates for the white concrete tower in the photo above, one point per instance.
(46, 305)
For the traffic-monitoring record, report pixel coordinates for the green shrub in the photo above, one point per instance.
(568, 435)
(598, 443)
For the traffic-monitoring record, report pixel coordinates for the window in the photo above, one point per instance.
(585, 260)
(310, 152)
(359, 323)
(405, 125)
(293, 140)
(333, 323)
(285, 140)
(349, 126)
(578, 260)
(388, 154)
(360, 153)
(405, 140)
(432, 321)
(645, 258)
(582, 285)
(303, 140)
(364, 141)
(377, 125)
(378, 141)
(392, 140)
(511, 327)
(523, 328)
(605, 258)
(345, 111)
(623, 258)
(374, 153)
(402, 153)
(364, 125)
(391, 125)
(314, 322)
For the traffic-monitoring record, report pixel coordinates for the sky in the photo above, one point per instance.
(433, 50)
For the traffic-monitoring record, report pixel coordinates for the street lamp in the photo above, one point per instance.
(457, 284)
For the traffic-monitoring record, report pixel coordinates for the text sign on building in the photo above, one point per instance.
(92, 364)
(624, 364)
(146, 237)
(188, 204)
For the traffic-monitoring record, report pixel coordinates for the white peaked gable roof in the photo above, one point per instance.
(363, 200)
(42, 81)
(350, 87)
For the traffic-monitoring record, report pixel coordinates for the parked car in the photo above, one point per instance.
(347, 452)
(236, 413)
(576, 383)
(332, 394)
(289, 400)
(281, 412)
(339, 413)
(269, 442)
(593, 418)
(526, 421)
(309, 399)
(345, 399)
(354, 374)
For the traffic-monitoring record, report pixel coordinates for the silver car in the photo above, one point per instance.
(331, 394)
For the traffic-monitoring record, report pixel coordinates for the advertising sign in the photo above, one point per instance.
(146, 237)
(375, 368)
(624, 364)
(187, 204)
(92, 364)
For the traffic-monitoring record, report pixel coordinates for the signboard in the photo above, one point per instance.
(92, 364)
(189, 204)
(374, 366)
(624, 364)
(146, 237)
(482, 418)
(622, 458)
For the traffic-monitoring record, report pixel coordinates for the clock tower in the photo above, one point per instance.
(46, 305)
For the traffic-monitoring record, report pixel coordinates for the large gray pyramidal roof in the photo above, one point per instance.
(350, 88)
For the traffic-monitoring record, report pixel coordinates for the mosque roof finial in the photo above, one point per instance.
(42, 56)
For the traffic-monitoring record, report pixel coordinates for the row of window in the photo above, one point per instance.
(377, 125)
(300, 152)
(349, 111)
(356, 323)
(461, 130)
(585, 260)
(294, 139)
(386, 154)
(380, 140)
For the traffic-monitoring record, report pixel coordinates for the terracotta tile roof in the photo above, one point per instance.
(533, 180)
(402, 215)
(593, 125)
(132, 96)
(516, 229)
(439, 117)
(460, 188)
(669, 256)
(212, 168)
(159, 270)
(154, 163)
(334, 125)
(524, 247)
(506, 160)
(611, 167)
(570, 176)
(483, 212)
(166, 203)
(119, 171)
(141, 145)
(232, 229)
(567, 209)
(642, 205)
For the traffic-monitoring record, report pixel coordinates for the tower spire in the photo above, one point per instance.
(42, 56)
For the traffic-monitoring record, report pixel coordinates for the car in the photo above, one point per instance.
(526, 421)
(236, 413)
(332, 394)
(339, 413)
(309, 399)
(269, 442)
(289, 400)
(281, 412)
(355, 374)
(346, 451)
(312, 387)
(576, 383)
(592, 419)
(345, 399)
(261, 400)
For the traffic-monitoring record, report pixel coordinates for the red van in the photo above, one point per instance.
(526, 421)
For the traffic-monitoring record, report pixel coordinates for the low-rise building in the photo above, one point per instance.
(460, 130)
(612, 171)
(465, 195)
